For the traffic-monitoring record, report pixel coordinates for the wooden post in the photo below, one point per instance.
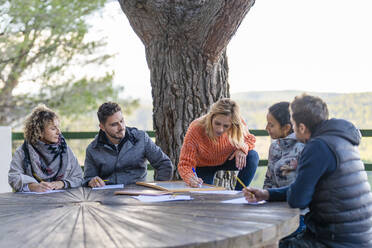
(6, 157)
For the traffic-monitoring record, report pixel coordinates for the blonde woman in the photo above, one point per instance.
(217, 141)
(44, 162)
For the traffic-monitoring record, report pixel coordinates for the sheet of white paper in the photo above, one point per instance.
(242, 200)
(218, 192)
(112, 186)
(46, 192)
(162, 198)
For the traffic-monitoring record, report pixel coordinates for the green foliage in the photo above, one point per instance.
(355, 107)
(44, 50)
(89, 121)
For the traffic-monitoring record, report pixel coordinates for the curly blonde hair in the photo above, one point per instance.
(227, 107)
(36, 122)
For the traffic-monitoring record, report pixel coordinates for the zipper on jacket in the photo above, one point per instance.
(116, 163)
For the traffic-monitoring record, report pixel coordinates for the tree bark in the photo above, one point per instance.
(185, 44)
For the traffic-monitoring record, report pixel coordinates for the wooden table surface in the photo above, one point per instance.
(97, 218)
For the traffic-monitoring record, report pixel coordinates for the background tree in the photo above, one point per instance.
(44, 51)
(185, 44)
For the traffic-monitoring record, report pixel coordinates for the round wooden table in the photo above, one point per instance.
(97, 218)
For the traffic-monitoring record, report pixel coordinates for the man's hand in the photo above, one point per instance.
(96, 182)
(240, 159)
(40, 187)
(255, 195)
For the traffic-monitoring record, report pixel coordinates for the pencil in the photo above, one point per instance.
(37, 178)
(102, 180)
(240, 181)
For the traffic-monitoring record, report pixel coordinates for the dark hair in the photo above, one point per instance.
(106, 110)
(309, 110)
(280, 111)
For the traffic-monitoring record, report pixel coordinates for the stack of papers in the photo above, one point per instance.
(162, 198)
(46, 192)
(140, 192)
(242, 200)
(218, 192)
(112, 186)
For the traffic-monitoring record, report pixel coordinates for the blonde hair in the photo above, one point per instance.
(227, 107)
(36, 122)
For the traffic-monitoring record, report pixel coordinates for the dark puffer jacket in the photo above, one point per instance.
(127, 163)
(341, 209)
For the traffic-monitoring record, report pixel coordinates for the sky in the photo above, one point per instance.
(311, 46)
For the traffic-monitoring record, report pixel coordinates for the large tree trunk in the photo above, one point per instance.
(185, 45)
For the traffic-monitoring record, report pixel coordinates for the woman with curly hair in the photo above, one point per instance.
(217, 141)
(44, 162)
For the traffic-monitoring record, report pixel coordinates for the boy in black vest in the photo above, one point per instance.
(331, 181)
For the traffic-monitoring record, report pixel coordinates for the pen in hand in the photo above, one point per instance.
(196, 176)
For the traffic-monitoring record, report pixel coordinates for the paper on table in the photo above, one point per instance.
(218, 192)
(242, 200)
(46, 192)
(111, 186)
(142, 192)
(162, 198)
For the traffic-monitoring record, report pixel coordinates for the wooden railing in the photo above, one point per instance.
(256, 132)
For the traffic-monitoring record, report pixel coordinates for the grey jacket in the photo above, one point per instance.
(282, 161)
(17, 177)
(341, 209)
(126, 163)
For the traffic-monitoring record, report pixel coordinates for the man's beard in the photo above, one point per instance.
(117, 136)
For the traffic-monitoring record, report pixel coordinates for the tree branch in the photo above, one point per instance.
(17, 68)
(206, 25)
(225, 26)
(5, 61)
(186, 21)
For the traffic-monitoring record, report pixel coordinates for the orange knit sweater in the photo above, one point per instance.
(199, 150)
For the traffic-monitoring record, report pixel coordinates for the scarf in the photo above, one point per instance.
(46, 162)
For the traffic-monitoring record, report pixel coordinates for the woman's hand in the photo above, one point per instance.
(57, 184)
(288, 168)
(195, 182)
(40, 187)
(240, 159)
(255, 195)
(96, 182)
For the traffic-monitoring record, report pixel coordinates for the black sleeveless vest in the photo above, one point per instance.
(341, 208)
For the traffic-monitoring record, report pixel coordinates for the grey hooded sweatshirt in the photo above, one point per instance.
(282, 161)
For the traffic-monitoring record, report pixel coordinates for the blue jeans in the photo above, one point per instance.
(207, 173)
(301, 228)
(303, 239)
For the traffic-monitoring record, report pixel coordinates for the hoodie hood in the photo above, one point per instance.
(287, 142)
(339, 127)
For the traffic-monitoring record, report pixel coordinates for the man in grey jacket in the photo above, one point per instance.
(118, 153)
